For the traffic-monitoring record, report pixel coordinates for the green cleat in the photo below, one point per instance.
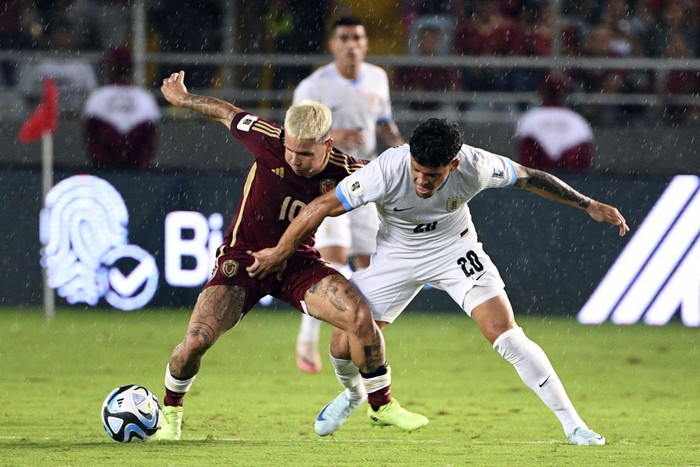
(392, 414)
(171, 425)
(585, 437)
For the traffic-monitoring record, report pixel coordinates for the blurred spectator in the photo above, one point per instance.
(436, 14)
(681, 82)
(538, 23)
(280, 37)
(71, 12)
(428, 78)
(189, 26)
(121, 119)
(553, 137)
(645, 21)
(488, 32)
(294, 27)
(676, 18)
(75, 77)
(601, 80)
(580, 14)
(20, 27)
(625, 42)
(106, 23)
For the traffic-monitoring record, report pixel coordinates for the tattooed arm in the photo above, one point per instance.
(175, 92)
(549, 186)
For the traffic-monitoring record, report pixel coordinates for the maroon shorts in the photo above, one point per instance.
(304, 269)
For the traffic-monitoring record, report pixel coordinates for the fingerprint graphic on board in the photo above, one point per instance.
(85, 249)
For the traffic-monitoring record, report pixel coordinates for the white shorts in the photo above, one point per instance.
(395, 277)
(356, 231)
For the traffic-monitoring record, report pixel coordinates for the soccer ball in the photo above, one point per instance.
(131, 413)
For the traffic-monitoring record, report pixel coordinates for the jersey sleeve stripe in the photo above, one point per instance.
(266, 129)
(269, 126)
(344, 163)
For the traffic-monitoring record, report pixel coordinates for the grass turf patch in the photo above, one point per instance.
(636, 385)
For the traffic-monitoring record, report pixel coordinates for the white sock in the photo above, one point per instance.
(311, 327)
(180, 386)
(537, 373)
(349, 377)
(377, 383)
(309, 330)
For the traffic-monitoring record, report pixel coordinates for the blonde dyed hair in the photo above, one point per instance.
(308, 120)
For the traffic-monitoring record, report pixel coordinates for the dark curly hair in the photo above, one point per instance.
(435, 142)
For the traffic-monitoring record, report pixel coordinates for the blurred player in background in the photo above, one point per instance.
(121, 119)
(358, 95)
(427, 237)
(552, 136)
(293, 165)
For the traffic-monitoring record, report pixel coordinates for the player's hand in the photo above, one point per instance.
(173, 88)
(601, 212)
(267, 262)
(348, 137)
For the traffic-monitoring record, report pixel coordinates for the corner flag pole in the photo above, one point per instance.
(42, 125)
(46, 184)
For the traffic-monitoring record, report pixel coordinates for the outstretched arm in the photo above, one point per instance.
(273, 260)
(175, 92)
(549, 186)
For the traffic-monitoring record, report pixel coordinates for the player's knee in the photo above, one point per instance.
(363, 324)
(197, 342)
(498, 330)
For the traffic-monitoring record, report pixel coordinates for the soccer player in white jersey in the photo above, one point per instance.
(357, 93)
(427, 237)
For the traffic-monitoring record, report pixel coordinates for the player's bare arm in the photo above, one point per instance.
(389, 133)
(549, 186)
(348, 137)
(273, 260)
(175, 92)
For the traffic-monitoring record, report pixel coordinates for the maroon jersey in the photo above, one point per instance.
(273, 194)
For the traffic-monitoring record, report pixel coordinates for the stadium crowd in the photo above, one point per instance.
(589, 28)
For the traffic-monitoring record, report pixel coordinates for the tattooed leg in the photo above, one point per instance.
(335, 301)
(218, 309)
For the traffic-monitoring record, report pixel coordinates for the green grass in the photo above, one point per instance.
(639, 386)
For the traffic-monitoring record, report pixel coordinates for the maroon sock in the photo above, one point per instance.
(383, 396)
(173, 399)
(378, 398)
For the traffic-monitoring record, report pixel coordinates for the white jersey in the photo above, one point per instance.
(556, 129)
(425, 241)
(418, 223)
(123, 107)
(359, 104)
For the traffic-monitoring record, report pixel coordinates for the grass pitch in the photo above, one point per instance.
(639, 386)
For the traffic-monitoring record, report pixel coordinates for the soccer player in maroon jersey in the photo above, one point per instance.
(293, 165)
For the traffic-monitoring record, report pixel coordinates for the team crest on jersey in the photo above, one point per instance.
(229, 268)
(246, 122)
(454, 203)
(327, 185)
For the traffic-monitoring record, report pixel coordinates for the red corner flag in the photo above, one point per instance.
(45, 117)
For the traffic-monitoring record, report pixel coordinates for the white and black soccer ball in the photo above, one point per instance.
(131, 413)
